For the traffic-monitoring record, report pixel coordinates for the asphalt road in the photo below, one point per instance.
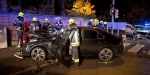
(134, 61)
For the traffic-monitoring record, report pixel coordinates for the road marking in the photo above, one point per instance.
(148, 53)
(136, 48)
(126, 44)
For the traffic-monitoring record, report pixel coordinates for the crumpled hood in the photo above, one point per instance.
(39, 34)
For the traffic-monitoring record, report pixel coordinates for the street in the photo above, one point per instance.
(134, 61)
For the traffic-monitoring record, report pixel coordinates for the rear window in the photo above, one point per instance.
(91, 34)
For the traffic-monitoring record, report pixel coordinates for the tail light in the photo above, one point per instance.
(121, 43)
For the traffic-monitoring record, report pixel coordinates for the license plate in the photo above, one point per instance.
(0, 35)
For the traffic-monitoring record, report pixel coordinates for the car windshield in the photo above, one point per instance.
(129, 27)
(142, 28)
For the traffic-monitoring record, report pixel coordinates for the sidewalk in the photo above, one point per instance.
(10, 65)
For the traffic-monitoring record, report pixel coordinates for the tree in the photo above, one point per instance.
(82, 8)
(3, 5)
(47, 7)
(136, 10)
(62, 7)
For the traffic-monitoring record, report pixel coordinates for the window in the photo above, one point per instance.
(100, 36)
(91, 34)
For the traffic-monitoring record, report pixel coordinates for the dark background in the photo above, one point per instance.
(136, 11)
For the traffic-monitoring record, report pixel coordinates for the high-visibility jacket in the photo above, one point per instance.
(34, 26)
(18, 24)
(74, 36)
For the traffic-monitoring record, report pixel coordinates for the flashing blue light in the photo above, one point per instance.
(147, 23)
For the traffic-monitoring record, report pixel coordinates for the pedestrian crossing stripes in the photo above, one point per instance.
(134, 49)
(148, 53)
(126, 44)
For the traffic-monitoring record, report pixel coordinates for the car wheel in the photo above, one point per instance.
(38, 53)
(105, 54)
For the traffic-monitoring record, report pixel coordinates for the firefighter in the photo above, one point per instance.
(95, 23)
(74, 41)
(18, 24)
(90, 23)
(105, 26)
(101, 24)
(58, 24)
(35, 24)
(46, 25)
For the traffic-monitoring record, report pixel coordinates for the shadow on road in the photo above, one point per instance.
(94, 62)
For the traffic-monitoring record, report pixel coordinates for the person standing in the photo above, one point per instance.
(90, 23)
(95, 23)
(46, 25)
(26, 29)
(74, 41)
(18, 24)
(34, 25)
(58, 25)
(101, 24)
(105, 26)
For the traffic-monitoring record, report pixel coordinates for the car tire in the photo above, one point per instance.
(38, 53)
(105, 54)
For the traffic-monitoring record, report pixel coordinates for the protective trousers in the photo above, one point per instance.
(75, 55)
(20, 33)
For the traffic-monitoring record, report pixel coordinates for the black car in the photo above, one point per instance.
(93, 42)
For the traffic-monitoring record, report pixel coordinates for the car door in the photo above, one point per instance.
(90, 40)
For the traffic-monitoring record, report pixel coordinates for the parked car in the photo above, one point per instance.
(94, 42)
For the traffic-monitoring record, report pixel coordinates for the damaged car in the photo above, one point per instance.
(43, 45)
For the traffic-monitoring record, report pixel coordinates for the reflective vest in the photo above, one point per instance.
(18, 24)
(74, 37)
(34, 26)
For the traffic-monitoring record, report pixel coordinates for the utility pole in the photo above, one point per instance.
(112, 16)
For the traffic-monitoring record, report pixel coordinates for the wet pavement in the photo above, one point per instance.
(10, 65)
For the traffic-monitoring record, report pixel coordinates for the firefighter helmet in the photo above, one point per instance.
(21, 14)
(71, 20)
(96, 21)
(58, 18)
(34, 19)
(46, 19)
(91, 20)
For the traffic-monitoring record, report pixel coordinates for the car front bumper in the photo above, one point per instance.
(120, 49)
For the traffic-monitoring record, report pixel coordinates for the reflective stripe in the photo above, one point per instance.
(75, 44)
(18, 28)
(76, 38)
(76, 60)
(70, 47)
(72, 58)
